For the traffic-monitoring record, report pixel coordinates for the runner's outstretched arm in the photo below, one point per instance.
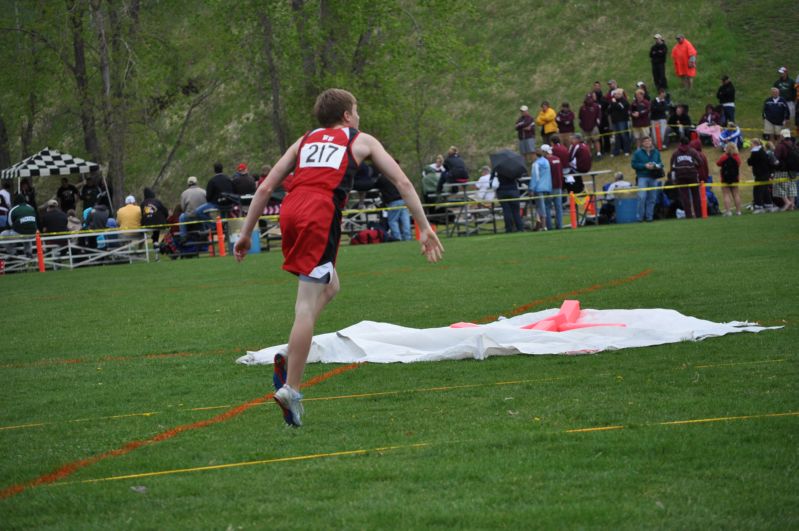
(368, 146)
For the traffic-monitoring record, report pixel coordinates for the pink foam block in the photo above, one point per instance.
(569, 313)
(565, 327)
(463, 324)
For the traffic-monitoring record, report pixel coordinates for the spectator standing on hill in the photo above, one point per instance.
(787, 90)
(657, 56)
(726, 96)
(785, 190)
(640, 85)
(775, 115)
(565, 121)
(590, 115)
(553, 199)
(67, 194)
(153, 213)
(639, 110)
(685, 169)
(620, 118)
(761, 170)
(604, 118)
(243, 183)
(684, 56)
(546, 120)
(648, 168)
(525, 130)
(730, 163)
(129, 216)
(192, 198)
(658, 113)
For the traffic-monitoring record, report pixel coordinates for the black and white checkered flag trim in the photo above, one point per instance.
(49, 162)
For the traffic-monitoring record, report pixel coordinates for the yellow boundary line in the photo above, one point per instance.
(371, 395)
(245, 463)
(346, 453)
(318, 399)
(689, 421)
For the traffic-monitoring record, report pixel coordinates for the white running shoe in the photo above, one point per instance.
(289, 401)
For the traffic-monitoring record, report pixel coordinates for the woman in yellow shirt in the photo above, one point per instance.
(546, 119)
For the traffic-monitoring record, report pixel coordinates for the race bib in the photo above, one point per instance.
(321, 155)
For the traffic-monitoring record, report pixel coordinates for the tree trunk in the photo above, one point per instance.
(5, 152)
(76, 11)
(307, 51)
(278, 121)
(116, 69)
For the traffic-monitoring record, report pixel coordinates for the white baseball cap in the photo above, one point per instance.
(130, 200)
(524, 108)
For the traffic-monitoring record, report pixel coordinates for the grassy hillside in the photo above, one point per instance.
(536, 51)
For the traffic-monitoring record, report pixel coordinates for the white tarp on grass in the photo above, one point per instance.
(373, 342)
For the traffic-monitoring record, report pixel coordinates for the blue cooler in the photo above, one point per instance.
(626, 209)
(255, 241)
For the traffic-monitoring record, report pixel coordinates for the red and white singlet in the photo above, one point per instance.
(310, 215)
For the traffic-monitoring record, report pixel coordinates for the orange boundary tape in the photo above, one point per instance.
(74, 466)
(570, 294)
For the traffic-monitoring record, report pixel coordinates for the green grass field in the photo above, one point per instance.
(117, 380)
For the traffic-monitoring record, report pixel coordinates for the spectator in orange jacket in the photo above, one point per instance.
(684, 56)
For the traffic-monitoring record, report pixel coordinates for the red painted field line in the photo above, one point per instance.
(69, 468)
(561, 296)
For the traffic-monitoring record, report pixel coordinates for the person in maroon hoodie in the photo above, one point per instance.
(579, 162)
(685, 163)
(560, 151)
(639, 110)
(590, 115)
(565, 121)
(556, 170)
(704, 169)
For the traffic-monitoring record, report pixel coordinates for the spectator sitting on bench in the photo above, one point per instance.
(191, 199)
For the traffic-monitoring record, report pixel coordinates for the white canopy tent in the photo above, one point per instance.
(49, 162)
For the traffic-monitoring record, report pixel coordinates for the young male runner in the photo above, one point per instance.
(323, 163)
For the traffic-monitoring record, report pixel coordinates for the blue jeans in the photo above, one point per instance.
(622, 138)
(551, 200)
(510, 210)
(647, 198)
(729, 114)
(399, 221)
